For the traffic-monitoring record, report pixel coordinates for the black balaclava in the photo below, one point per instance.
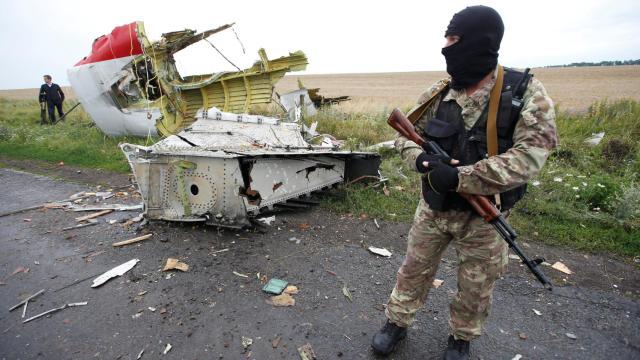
(476, 53)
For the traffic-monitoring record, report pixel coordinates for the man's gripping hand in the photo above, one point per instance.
(441, 176)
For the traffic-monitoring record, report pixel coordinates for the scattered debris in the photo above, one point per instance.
(295, 239)
(380, 251)
(94, 215)
(116, 271)
(522, 336)
(89, 222)
(537, 312)
(167, 349)
(89, 257)
(140, 354)
(54, 310)
(437, 283)
(306, 352)
(175, 264)
(291, 290)
(275, 286)
(19, 269)
(517, 357)
(346, 292)
(25, 301)
(26, 220)
(239, 274)
(514, 257)
(283, 299)
(131, 241)
(562, 268)
(571, 336)
(594, 139)
(382, 145)
(276, 342)
(112, 207)
(375, 221)
(246, 342)
(219, 251)
(152, 309)
(268, 220)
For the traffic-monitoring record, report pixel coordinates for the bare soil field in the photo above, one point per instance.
(573, 89)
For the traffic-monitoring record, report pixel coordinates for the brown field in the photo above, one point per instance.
(573, 89)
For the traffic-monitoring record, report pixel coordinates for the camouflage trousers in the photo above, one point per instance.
(482, 258)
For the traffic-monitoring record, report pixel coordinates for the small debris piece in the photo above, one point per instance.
(562, 268)
(26, 220)
(517, 357)
(175, 264)
(281, 300)
(93, 215)
(246, 342)
(112, 207)
(24, 309)
(25, 300)
(437, 283)
(571, 336)
(167, 349)
(19, 269)
(89, 257)
(306, 352)
(141, 293)
(239, 274)
(380, 251)
(131, 241)
(537, 312)
(594, 139)
(291, 290)
(375, 221)
(163, 311)
(275, 286)
(268, 220)
(89, 223)
(303, 226)
(54, 310)
(116, 271)
(514, 257)
(140, 354)
(276, 342)
(219, 251)
(346, 292)
(152, 309)
(522, 336)
(385, 190)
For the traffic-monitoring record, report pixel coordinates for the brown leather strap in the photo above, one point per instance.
(492, 120)
(419, 111)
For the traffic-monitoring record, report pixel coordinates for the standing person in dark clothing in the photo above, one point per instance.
(52, 95)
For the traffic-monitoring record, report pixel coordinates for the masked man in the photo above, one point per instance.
(495, 160)
(51, 94)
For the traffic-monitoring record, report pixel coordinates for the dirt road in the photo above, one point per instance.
(206, 312)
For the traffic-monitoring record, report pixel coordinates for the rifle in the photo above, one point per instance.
(67, 113)
(480, 203)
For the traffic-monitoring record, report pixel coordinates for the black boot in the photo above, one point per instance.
(456, 349)
(386, 339)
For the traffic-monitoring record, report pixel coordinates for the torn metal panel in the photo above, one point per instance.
(130, 85)
(226, 168)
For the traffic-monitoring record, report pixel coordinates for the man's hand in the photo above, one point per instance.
(425, 162)
(441, 175)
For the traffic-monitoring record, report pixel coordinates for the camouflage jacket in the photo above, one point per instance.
(534, 137)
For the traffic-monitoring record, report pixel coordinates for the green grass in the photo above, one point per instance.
(595, 207)
(75, 141)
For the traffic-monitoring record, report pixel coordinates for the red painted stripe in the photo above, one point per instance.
(123, 41)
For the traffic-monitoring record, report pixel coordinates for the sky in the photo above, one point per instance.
(48, 37)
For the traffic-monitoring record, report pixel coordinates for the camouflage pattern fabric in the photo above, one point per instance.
(482, 258)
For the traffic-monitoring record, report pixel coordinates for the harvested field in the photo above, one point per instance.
(573, 89)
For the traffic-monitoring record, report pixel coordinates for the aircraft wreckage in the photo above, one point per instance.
(131, 86)
(226, 168)
(216, 164)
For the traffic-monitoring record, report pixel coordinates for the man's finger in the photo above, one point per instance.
(425, 164)
(454, 162)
